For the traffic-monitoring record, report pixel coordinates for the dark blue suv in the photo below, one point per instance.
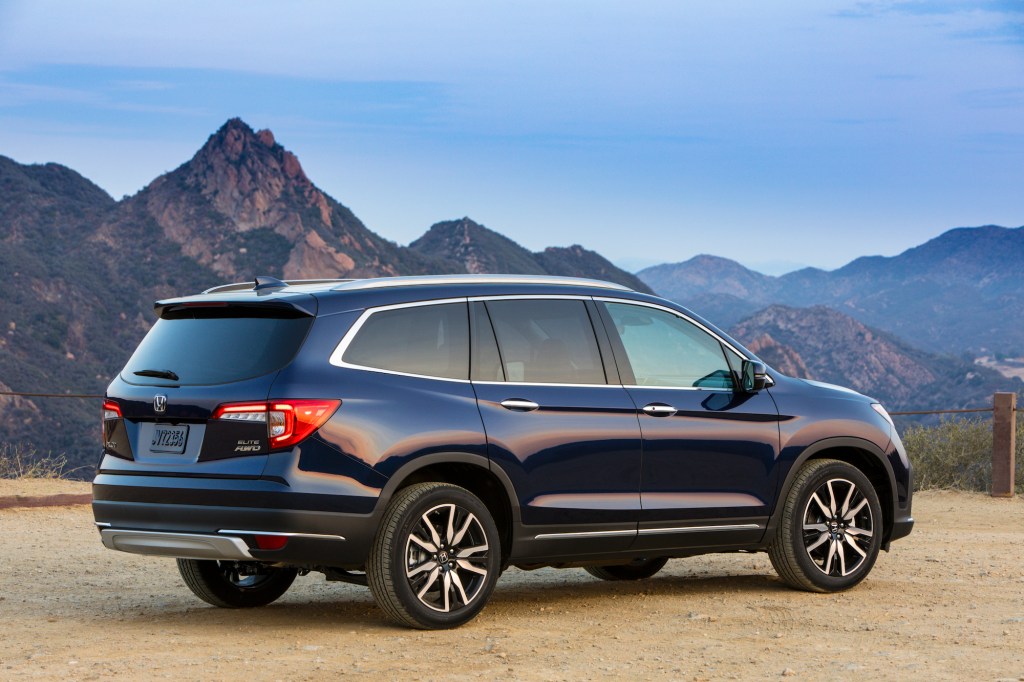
(421, 434)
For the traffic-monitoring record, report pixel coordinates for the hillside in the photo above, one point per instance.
(950, 295)
(821, 343)
(471, 247)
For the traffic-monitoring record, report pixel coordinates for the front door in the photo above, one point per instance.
(709, 450)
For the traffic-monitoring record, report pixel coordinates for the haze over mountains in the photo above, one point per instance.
(80, 272)
(962, 291)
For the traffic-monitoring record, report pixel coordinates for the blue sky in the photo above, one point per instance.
(774, 133)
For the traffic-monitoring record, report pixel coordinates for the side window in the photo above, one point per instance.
(549, 341)
(431, 340)
(666, 350)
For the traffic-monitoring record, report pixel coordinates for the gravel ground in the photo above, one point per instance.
(946, 603)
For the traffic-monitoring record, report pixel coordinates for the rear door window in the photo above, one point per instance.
(549, 341)
(426, 340)
(203, 346)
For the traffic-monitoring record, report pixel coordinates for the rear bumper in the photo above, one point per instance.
(220, 519)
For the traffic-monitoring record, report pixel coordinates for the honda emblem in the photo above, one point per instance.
(159, 404)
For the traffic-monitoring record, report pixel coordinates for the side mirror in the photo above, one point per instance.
(754, 376)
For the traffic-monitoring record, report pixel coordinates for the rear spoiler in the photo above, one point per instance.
(290, 305)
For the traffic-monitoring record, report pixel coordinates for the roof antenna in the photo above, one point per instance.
(267, 282)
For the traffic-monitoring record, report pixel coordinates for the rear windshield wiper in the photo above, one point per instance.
(158, 373)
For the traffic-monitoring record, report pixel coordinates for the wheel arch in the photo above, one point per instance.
(857, 452)
(470, 471)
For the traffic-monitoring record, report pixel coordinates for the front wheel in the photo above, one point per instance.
(235, 584)
(831, 528)
(436, 557)
(638, 569)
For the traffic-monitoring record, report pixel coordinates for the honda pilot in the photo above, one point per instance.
(419, 435)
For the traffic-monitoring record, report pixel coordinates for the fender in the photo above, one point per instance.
(423, 461)
(809, 452)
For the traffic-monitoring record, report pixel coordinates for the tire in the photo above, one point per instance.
(436, 557)
(831, 528)
(234, 584)
(638, 569)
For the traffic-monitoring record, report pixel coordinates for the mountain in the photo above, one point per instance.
(823, 344)
(80, 271)
(474, 248)
(951, 294)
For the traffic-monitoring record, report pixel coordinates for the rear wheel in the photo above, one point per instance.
(436, 557)
(638, 569)
(831, 528)
(235, 584)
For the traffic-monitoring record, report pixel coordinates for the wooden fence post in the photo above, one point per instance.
(1004, 437)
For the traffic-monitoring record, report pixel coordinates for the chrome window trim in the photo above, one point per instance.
(339, 351)
(346, 340)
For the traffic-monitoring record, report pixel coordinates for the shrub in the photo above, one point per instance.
(957, 454)
(17, 461)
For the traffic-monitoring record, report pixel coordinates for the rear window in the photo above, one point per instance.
(216, 346)
(428, 340)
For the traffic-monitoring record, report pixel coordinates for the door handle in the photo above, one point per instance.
(519, 405)
(659, 410)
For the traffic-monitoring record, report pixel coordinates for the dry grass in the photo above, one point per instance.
(18, 461)
(957, 454)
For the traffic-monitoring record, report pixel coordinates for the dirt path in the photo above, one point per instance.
(947, 603)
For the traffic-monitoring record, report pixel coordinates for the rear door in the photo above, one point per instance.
(566, 434)
(709, 450)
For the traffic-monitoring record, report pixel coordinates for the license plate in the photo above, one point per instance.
(169, 439)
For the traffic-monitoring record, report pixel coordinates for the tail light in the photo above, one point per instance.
(111, 410)
(288, 421)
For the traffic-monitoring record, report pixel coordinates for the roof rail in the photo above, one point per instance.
(267, 282)
(426, 280)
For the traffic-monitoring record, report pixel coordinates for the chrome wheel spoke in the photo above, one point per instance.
(831, 556)
(449, 536)
(446, 587)
(434, 537)
(842, 557)
(831, 499)
(462, 563)
(462, 531)
(469, 551)
(820, 527)
(861, 532)
(821, 505)
(850, 515)
(457, 582)
(819, 542)
(431, 579)
(845, 509)
(425, 566)
(428, 546)
(853, 543)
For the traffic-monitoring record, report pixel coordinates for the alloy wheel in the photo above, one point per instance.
(446, 558)
(838, 527)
